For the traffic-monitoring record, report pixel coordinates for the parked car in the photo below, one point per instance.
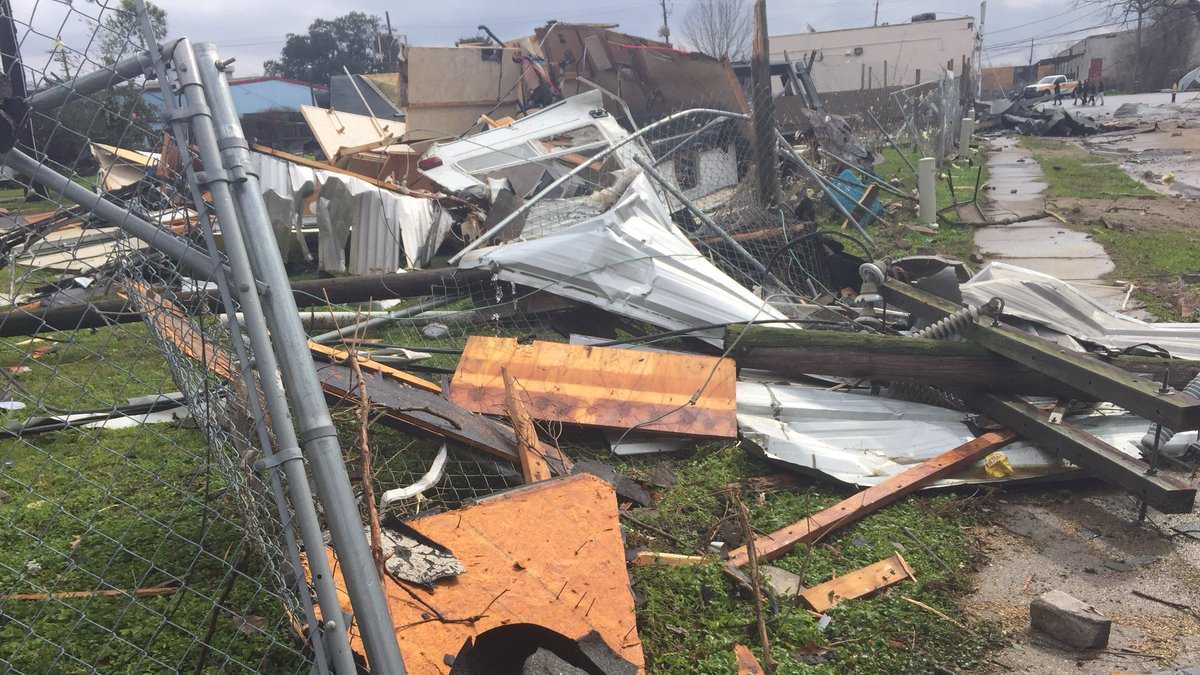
(1045, 86)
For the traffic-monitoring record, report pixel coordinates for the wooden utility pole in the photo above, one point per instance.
(666, 27)
(764, 109)
(876, 22)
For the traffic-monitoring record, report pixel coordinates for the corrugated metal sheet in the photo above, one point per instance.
(862, 439)
(382, 223)
(1055, 304)
(633, 261)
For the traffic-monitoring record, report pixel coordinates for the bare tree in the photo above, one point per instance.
(719, 28)
(1135, 12)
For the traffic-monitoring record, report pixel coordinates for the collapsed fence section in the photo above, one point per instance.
(168, 486)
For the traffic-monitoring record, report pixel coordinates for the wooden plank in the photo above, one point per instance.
(412, 408)
(152, 592)
(402, 405)
(849, 510)
(340, 356)
(1106, 382)
(1085, 450)
(892, 358)
(602, 387)
(647, 558)
(533, 465)
(548, 554)
(860, 207)
(858, 583)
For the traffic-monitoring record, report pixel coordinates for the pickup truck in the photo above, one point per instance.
(1045, 87)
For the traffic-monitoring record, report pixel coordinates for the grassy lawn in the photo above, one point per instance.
(1072, 171)
(691, 617)
(1150, 257)
(953, 238)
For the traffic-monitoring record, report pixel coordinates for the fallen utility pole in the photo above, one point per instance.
(1103, 381)
(1085, 450)
(311, 293)
(854, 508)
(893, 358)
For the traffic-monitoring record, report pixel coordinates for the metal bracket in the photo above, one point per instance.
(277, 459)
(311, 435)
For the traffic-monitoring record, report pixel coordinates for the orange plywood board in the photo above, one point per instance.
(548, 554)
(601, 386)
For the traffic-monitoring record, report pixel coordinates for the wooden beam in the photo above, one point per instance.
(533, 465)
(1104, 381)
(1086, 451)
(895, 358)
(852, 509)
(340, 356)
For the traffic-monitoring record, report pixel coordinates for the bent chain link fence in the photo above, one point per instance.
(146, 524)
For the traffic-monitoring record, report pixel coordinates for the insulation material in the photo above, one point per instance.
(548, 554)
(120, 167)
(863, 440)
(1055, 304)
(633, 261)
(600, 386)
(384, 222)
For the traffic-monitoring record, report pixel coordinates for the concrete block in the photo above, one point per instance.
(1069, 620)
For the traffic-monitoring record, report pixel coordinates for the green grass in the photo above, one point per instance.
(1071, 171)
(691, 617)
(89, 509)
(953, 238)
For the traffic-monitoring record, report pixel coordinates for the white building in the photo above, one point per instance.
(882, 56)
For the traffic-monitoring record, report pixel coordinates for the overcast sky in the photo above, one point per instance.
(255, 30)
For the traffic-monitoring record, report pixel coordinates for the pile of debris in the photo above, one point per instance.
(1029, 118)
(889, 376)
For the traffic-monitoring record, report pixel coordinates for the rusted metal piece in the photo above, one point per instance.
(603, 387)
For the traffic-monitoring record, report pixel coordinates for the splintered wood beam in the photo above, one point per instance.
(1103, 381)
(1088, 452)
(780, 542)
(896, 358)
(533, 465)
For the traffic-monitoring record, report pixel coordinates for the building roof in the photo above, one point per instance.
(883, 27)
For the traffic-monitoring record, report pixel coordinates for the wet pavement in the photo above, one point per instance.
(1043, 244)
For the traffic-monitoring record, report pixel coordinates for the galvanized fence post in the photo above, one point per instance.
(317, 432)
(289, 456)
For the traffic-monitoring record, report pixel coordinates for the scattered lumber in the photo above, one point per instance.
(858, 583)
(778, 543)
(533, 465)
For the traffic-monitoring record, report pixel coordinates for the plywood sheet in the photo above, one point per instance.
(548, 554)
(448, 88)
(338, 131)
(601, 386)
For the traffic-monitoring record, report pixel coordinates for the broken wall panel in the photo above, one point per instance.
(604, 387)
(548, 554)
(448, 88)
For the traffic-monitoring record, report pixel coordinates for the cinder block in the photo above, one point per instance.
(1069, 620)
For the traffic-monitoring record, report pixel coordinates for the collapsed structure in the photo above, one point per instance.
(609, 198)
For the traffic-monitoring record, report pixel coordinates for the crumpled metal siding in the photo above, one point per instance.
(1056, 304)
(633, 261)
